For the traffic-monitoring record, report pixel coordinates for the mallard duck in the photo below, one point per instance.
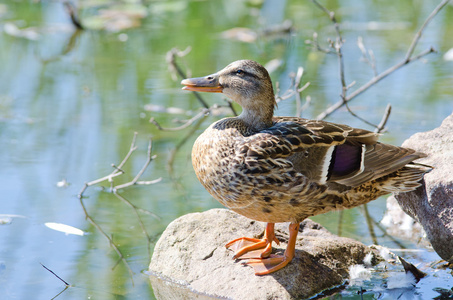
(286, 169)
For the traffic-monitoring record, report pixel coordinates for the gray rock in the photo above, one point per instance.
(190, 260)
(432, 204)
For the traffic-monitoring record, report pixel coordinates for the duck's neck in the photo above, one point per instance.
(257, 118)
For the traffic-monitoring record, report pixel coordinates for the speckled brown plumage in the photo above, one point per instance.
(285, 169)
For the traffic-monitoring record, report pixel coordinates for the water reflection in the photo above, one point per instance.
(71, 101)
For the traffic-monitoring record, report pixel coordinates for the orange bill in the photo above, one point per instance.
(208, 84)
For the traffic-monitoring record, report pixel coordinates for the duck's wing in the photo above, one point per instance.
(324, 151)
(301, 145)
(378, 160)
(284, 139)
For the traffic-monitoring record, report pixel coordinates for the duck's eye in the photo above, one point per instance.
(239, 72)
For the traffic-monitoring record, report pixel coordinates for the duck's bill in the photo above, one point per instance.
(208, 84)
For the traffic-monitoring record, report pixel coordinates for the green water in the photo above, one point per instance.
(70, 104)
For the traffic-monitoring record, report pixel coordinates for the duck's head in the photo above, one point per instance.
(245, 82)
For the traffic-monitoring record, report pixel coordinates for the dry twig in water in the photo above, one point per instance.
(114, 189)
(118, 171)
(67, 284)
(112, 244)
(204, 112)
(409, 57)
(295, 91)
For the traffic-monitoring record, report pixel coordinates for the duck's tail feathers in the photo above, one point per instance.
(407, 178)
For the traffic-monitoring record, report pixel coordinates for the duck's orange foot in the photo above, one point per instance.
(245, 248)
(268, 265)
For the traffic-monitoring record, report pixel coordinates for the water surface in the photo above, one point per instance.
(71, 102)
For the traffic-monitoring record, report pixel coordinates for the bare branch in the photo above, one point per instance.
(67, 284)
(173, 66)
(293, 90)
(370, 83)
(112, 244)
(337, 46)
(62, 291)
(143, 227)
(419, 33)
(351, 85)
(72, 11)
(132, 148)
(117, 172)
(114, 189)
(140, 173)
(230, 105)
(171, 60)
(369, 223)
(315, 45)
(378, 77)
(171, 158)
(367, 55)
(381, 127)
(202, 113)
(359, 117)
(306, 104)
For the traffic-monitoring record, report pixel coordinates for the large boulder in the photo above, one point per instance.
(190, 260)
(432, 204)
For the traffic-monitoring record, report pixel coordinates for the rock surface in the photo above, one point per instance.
(190, 260)
(432, 204)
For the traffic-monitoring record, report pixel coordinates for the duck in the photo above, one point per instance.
(276, 169)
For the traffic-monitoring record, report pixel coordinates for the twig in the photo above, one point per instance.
(385, 233)
(118, 171)
(136, 209)
(369, 219)
(305, 106)
(114, 189)
(67, 284)
(368, 56)
(370, 83)
(174, 67)
(189, 122)
(408, 59)
(109, 177)
(419, 33)
(70, 9)
(173, 153)
(140, 173)
(314, 42)
(337, 46)
(62, 291)
(359, 117)
(112, 244)
(294, 90)
(132, 148)
(381, 127)
(230, 105)
(171, 60)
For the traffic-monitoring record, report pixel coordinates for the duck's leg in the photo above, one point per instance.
(245, 247)
(276, 262)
